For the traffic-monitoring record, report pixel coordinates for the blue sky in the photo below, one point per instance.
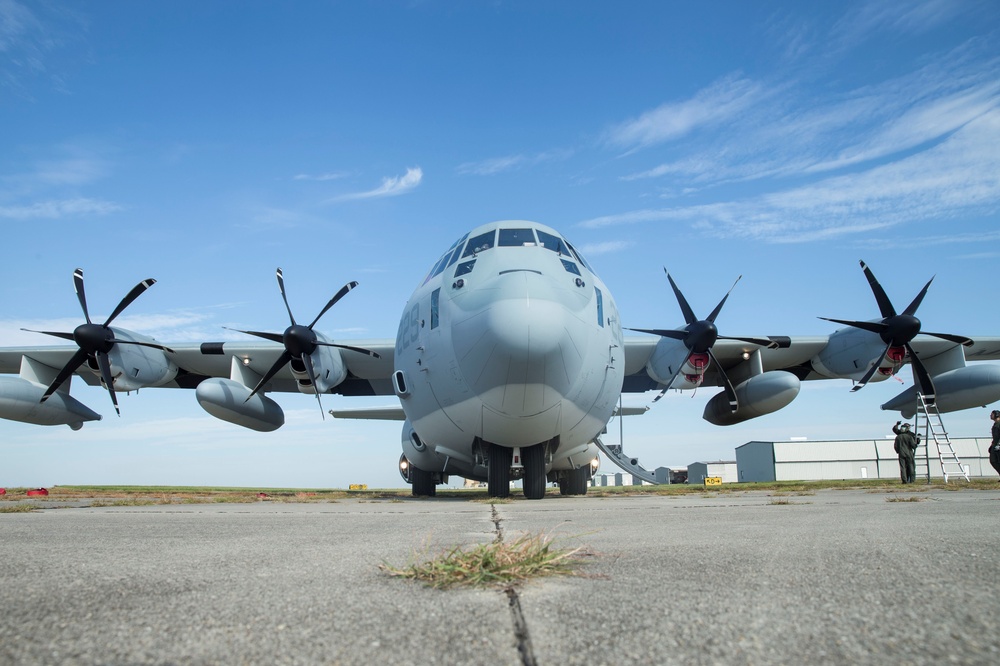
(205, 143)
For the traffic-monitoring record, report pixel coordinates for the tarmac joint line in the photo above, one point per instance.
(521, 634)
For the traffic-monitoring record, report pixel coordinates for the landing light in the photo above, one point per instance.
(246, 360)
(746, 356)
(403, 464)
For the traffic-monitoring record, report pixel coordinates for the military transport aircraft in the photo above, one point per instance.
(508, 363)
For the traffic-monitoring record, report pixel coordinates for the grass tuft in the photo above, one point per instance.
(493, 564)
(905, 499)
(17, 508)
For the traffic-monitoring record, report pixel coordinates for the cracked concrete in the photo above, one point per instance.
(829, 578)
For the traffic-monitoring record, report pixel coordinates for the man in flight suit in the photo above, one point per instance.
(905, 445)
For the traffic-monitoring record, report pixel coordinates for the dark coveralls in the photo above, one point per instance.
(995, 447)
(905, 446)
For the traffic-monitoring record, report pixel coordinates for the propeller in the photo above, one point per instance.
(897, 330)
(301, 341)
(94, 341)
(700, 335)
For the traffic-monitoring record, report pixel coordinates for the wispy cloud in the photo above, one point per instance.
(709, 107)
(322, 177)
(893, 16)
(608, 247)
(54, 210)
(958, 176)
(390, 187)
(497, 165)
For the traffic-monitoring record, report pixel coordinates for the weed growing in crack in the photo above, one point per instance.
(494, 564)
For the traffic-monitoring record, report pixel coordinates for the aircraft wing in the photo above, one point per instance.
(793, 355)
(196, 362)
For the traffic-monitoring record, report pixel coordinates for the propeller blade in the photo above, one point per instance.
(884, 304)
(64, 336)
(360, 350)
(689, 316)
(278, 365)
(281, 288)
(109, 381)
(870, 326)
(923, 377)
(718, 308)
(80, 293)
(911, 309)
(958, 339)
(664, 333)
(339, 295)
(661, 394)
(131, 296)
(763, 342)
(307, 361)
(871, 371)
(734, 403)
(75, 362)
(273, 337)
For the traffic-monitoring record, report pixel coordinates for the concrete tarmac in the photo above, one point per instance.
(838, 576)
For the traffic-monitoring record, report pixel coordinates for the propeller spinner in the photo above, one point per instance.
(700, 335)
(96, 340)
(301, 341)
(897, 331)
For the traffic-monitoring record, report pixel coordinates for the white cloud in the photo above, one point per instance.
(390, 187)
(596, 249)
(59, 209)
(958, 176)
(709, 107)
(497, 165)
(323, 177)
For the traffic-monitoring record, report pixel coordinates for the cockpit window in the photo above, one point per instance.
(579, 257)
(479, 243)
(516, 237)
(570, 267)
(554, 243)
(465, 267)
(448, 259)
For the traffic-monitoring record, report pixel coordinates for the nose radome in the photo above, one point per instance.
(517, 353)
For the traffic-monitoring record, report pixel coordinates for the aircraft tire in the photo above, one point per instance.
(498, 478)
(533, 458)
(423, 483)
(574, 481)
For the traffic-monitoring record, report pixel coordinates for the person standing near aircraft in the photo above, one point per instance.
(995, 445)
(906, 445)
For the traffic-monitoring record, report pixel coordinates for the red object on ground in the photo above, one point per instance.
(37, 492)
(262, 496)
(3, 491)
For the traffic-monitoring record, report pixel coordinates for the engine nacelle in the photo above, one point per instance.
(973, 386)
(850, 352)
(20, 400)
(666, 360)
(134, 366)
(761, 394)
(328, 365)
(226, 399)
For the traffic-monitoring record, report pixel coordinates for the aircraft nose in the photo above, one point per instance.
(517, 352)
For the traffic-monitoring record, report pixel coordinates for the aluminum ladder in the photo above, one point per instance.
(934, 429)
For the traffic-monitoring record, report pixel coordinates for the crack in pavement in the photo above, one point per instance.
(514, 603)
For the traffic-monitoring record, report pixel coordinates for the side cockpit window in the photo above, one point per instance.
(480, 243)
(449, 258)
(554, 243)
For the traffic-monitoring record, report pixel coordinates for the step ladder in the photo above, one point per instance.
(934, 429)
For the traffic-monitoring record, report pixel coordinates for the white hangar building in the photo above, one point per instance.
(727, 469)
(854, 459)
